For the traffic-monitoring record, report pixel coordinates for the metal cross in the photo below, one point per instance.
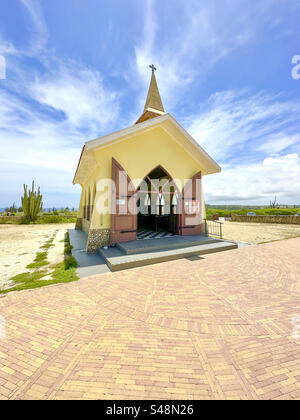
(153, 68)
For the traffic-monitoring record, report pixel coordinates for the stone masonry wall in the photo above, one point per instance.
(292, 220)
(97, 238)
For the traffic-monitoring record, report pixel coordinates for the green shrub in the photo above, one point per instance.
(262, 211)
(70, 262)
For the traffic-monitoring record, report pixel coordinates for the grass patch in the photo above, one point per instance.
(68, 248)
(55, 219)
(28, 277)
(47, 246)
(64, 272)
(39, 261)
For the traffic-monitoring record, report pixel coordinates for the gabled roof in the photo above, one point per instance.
(87, 161)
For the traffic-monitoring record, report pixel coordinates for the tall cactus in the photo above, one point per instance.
(31, 203)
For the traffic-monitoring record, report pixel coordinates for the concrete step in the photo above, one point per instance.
(117, 260)
(141, 246)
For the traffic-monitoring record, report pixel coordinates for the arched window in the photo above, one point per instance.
(160, 204)
(84, 203)
(89, 205)
(174, 203)
(147, 204)
(147, 201)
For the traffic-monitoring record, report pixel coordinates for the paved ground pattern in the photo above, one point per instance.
(214, 328)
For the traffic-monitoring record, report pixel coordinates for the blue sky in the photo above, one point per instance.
(76, 70)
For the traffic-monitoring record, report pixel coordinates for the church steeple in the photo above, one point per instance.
(153, 98)
(153, 106)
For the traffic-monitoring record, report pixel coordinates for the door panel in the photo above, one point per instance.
(190, 218)
(123, 206)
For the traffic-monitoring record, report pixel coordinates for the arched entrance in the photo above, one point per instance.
(158, 200)
(156, 208)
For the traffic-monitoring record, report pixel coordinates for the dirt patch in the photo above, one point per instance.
(256, 233)
(19, 245)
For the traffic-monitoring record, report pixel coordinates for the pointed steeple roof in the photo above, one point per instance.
(153, 98)
(153, 106)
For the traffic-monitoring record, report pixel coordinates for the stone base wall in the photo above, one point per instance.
(97, 238)
(85, 226)
(78, 224)
(291, 220)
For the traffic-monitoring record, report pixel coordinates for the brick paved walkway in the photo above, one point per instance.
(219, 327)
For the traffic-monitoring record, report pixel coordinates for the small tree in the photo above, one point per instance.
(274, 204)
(11, 209)
(31, 203)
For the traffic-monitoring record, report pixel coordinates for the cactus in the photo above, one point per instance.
(31, 203)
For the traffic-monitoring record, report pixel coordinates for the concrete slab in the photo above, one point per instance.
(78, 239)
(118, 261)
(88, 264)
(156, 244)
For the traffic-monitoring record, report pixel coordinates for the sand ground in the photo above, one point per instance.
(256, 233)
(19, 245)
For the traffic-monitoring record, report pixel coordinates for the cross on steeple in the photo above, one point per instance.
(152, 67)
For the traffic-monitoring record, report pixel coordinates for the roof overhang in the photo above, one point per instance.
(87, 161)
(86, 165)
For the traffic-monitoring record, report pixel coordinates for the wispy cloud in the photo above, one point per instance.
(79, 93)
(203, 34)
(46, 126)
(6, 47)
(256, 140)
(47, 115)
(235, 123)
(38, 27)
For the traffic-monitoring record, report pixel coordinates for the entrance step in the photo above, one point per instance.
(117, 260)
(141, 246)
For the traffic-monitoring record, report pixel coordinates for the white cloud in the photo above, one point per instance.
(42, 133)
(80, 94)
(46, 117)
(202, 34)
(278, 142)
(255, 139)
(234, 121)
(6, 47)
(38, 28)
(256, 183)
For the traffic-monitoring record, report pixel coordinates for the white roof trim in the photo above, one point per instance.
(156, 111)
(125, 132)
(144, 126)
(89, 161)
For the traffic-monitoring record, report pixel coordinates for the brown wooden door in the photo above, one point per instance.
(123, 206)
(190, 218)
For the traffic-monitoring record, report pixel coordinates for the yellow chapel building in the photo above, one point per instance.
(144, 181)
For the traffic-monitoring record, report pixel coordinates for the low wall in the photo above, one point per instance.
(12, 219)
(290, 220)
